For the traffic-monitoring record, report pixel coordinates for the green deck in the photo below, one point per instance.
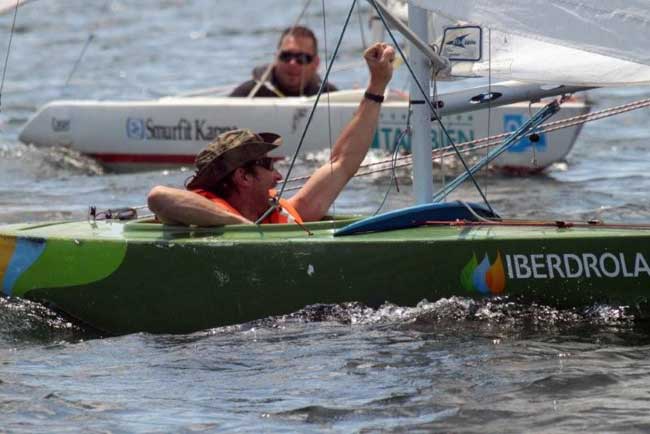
(138, 276)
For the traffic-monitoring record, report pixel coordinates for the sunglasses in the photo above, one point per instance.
(300, 58)
(266, 163)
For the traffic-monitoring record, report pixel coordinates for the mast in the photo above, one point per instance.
(421, 116)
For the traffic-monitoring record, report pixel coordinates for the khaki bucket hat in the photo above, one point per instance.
(228, 152)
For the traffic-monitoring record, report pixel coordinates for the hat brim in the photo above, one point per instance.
(213, 173)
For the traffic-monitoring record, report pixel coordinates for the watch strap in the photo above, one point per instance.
(374, 97)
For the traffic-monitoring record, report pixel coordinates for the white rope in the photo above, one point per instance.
(474, 145)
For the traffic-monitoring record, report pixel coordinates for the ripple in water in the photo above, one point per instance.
(451, 312)
(23, 321)
(49, 162)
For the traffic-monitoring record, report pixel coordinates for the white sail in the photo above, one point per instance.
(597, 43)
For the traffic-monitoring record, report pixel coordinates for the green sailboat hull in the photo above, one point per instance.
(141, 276)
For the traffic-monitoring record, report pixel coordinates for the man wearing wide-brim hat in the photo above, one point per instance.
(235, 177)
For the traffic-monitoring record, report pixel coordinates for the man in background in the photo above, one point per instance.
(293, 72)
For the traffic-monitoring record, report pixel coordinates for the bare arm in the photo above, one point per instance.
(320, 191)
(176, 206)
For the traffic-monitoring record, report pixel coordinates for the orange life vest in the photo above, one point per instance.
(285, 213)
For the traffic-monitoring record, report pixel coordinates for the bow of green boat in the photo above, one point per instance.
(139, 275)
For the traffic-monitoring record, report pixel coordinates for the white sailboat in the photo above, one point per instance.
(151, 134)
(139, 135)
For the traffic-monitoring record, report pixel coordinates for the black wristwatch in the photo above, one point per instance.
(374, 97)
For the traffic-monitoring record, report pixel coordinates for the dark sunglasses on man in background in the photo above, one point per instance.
(300, 58)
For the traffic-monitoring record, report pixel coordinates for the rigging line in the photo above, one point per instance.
(551, 126)
(311, 114)
(532, 143)
(442, 152)
(570, 121)
(77, 62)
(429, 103)
(264, 77)
(402, 165)
(11, 37)
(364, 43)
(467, 147)
(409, 163)
(560, 124)
(489, 108)
(595, 224)
(475, 214)
(525, 129)
(329, 113)
(407, 132)
(90, 38)
(443, 173)
(398, 141)
(581, 119)
(380, 169)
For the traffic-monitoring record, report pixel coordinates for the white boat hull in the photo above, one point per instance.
(140, 135)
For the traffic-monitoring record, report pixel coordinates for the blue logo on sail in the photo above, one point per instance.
(511, 122)
(461, 42)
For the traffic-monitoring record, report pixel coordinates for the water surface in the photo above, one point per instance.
(449, 365)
